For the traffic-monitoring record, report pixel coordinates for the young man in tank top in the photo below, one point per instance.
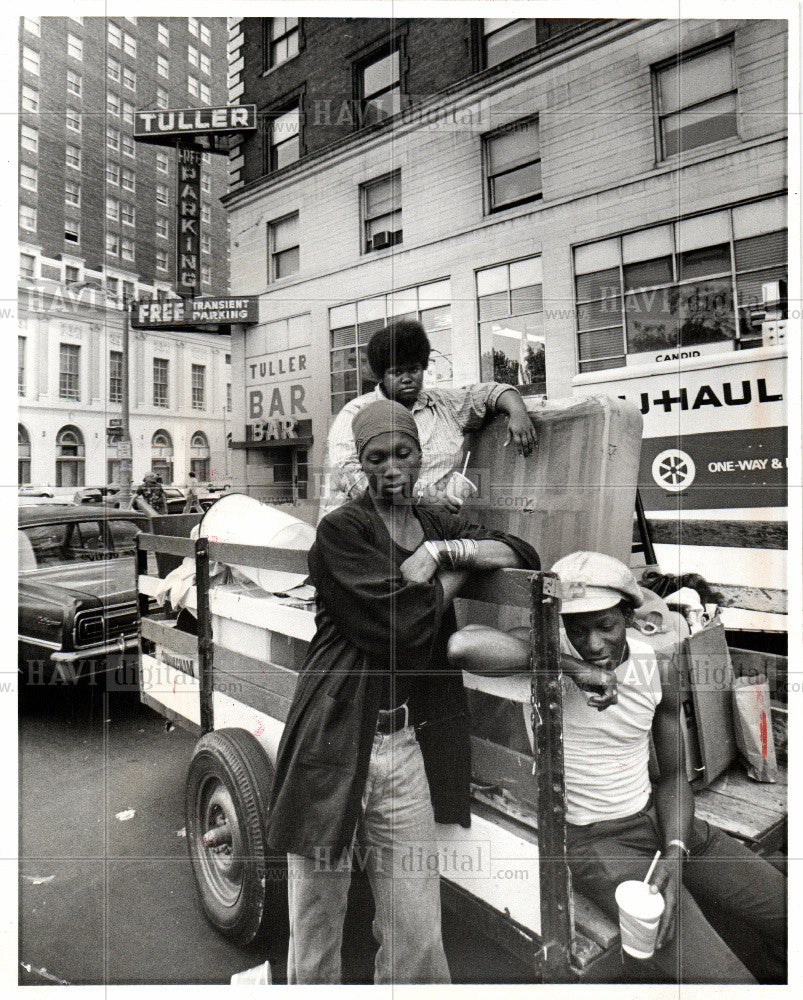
(616, 817)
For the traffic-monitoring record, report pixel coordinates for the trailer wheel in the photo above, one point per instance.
(242, 886)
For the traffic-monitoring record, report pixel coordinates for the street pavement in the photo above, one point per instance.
(106, 899)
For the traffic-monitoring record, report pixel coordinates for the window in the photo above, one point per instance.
(192, 55)
(505, 37)
(206, 274)
(192, 86)
(513, 165)
(74, 83)
(510, 308)
(199, 455)
(70, 459)
(23, 456)
(192, 25)
(113, 69)
(206, 213)
(75, 47)
(21, 365)
(206, 64)
(160, 370)
(72, 193)
(162, 194)
(206, 93)
(161, 260)
(129, 78)
(285, 139)
(206, 183)
(282, 40)
(130, 46)
(163, 67)
(206, 158)
(696, 100)
(352, 325)
(72, 230)
(30, 99)
(72, 157)
(228, 397)
(162, 227)
(127, 249)
(112, 244)
(380, 87)
(382, 213)
(693, 282)
(129, 179)
(27, 265)
(72, 119)
(114, 35)
(163, 34)
(29, 138)
(162, 162)
(206, 34)
(112, 173)
(28, 218)
(128, 145)
(30, 60)
(162, 98)
(206, 243)
(283, 247)
(115, 376)
(198, 386)
(112, 138)
(29, 177)
(72, 274)
(113, 104)
(127, 215)
(69, 371)
(31, 25)
(113, 286)
(128, 113)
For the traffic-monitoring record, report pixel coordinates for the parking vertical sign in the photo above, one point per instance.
(188, 256)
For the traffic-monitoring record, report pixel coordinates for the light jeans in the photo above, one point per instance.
(396, 822)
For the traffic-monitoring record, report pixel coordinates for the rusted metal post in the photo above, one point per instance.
(204, 633)
(547, 706)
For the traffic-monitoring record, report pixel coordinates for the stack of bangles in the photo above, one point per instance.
(457, 553)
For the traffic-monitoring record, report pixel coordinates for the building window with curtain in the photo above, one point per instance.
(510, 305)
(505, 37)
(382, 212)
(69, 371)
(284, 138)
(695, 99)
(281, 41)
(283, 251)
(512, 157)
(380, 87)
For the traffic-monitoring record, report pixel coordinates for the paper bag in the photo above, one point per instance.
(752, 723)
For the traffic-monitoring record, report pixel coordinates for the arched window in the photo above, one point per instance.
(70, 457)
(199, 455)
(23, 456)
(162, 456)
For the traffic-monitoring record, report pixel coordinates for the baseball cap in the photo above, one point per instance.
(593, 581)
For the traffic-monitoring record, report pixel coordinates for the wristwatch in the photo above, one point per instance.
(681, 845)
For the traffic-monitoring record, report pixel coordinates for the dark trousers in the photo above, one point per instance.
(721, 875)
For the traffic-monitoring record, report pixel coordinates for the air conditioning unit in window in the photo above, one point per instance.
(381, 241)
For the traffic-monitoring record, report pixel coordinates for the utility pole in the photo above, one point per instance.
(124, 444)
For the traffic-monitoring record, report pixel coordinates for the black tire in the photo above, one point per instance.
(241, 885)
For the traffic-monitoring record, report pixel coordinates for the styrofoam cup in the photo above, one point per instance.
(639, 915)
(460, 487)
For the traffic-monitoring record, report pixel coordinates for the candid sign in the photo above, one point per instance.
(178, 314)
(153, 126)
(188, 249)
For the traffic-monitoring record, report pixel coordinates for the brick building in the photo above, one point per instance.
(528, 188)
(97, 222)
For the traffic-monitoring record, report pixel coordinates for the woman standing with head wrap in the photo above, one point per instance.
(376, 746)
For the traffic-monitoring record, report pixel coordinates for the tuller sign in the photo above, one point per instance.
(154, 126)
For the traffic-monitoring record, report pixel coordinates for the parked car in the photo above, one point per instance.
(77, 590)
(35, 491)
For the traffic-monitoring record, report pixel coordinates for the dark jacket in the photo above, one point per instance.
(369, 621)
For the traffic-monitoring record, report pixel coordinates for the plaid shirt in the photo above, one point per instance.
(443, 417)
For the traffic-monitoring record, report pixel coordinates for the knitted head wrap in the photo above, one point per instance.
(379, 417)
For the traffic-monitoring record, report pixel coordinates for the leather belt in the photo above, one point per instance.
(392, 720)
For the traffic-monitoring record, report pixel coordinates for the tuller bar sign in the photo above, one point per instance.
(155, 126)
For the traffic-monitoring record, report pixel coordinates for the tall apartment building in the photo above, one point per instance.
(97, 221)
(553, 199)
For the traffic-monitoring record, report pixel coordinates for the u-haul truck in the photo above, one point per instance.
(713, 474)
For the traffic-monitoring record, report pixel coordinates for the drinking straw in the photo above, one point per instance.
(465, 464)
(651, 869)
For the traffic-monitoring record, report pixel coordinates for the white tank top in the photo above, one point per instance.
(606, 754)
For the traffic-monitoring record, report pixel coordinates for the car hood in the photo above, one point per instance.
(112, 581)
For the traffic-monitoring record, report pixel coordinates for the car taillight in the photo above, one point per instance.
(89, 630)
